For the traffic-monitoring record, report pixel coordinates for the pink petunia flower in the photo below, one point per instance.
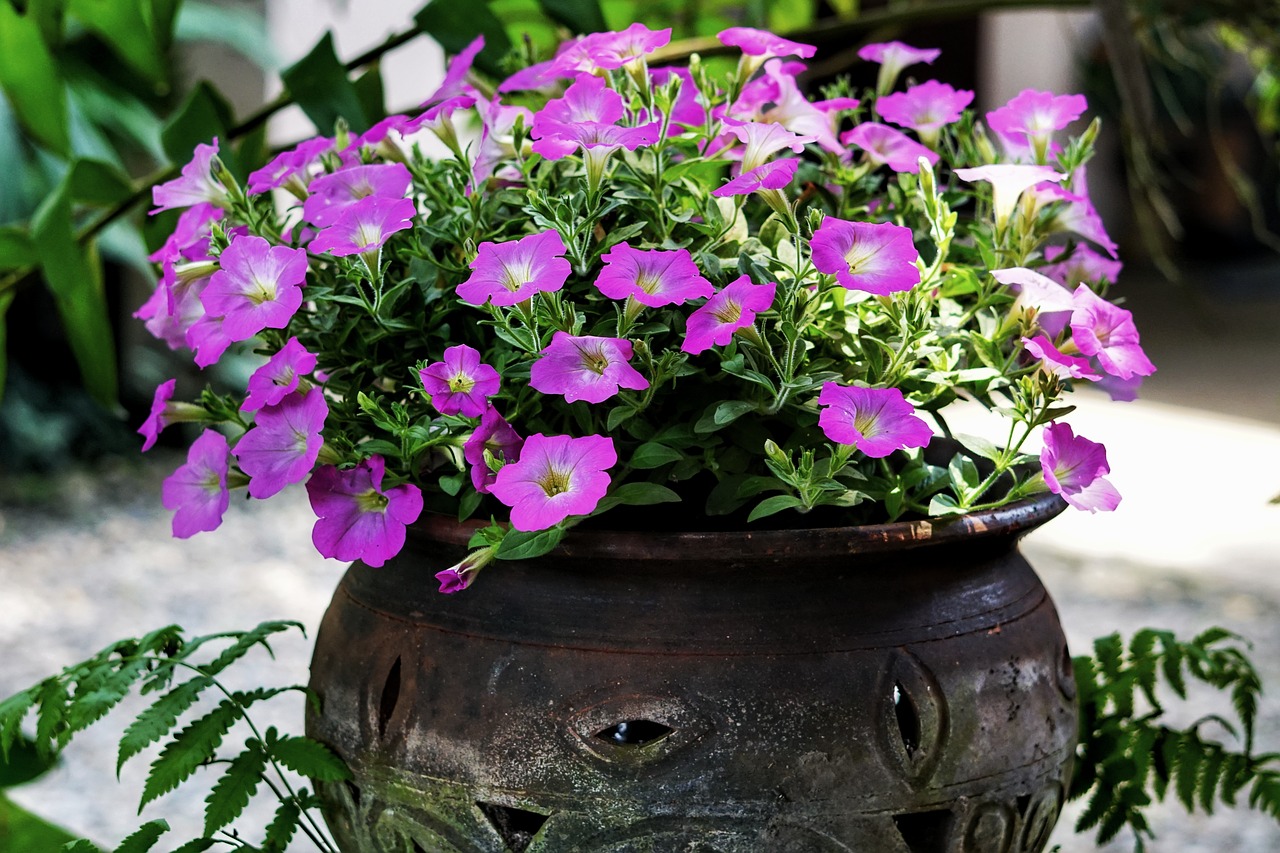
(259, 286)
(797, 113)
(1107, 332)
(588, 98)
(365, 226)
(284, 442)
(156, 420)
(687, 111)
(596, 141)
(356, 518)
(197, 184)
(278, 378)
(763, 140)
(626, 48)
(653, 277)
(455, 76)
(762, 43)
(1075, 213)
(879, 258)
(893, 57)
(1008, 182)
(461, 383)
(197, 491)
(1031, 117)
(733, 308)
(498, 437)
(1074, 466)
(1058, 363)
(773, 175)
(511, 272)
(289, 167)
(1082, 266)
(925, 108)
(886, 146)
(497, 139)
(333, 194)
(1051, 301)
(208, 340)
(877, 421)
(585, 368)
(555, 477)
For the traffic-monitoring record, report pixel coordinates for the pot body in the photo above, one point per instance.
(904, 688)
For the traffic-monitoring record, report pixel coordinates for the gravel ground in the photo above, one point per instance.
(91, 561)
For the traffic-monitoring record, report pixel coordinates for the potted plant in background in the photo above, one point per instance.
(666, 354)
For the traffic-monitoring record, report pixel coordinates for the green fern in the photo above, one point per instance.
(83, 693)
(1126, 759)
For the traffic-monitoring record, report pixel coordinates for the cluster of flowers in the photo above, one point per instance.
(719, 262)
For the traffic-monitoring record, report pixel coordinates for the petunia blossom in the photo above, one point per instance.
(497, 437)
(1107, 332)
(733, 308)
(156, 421)
(687, 111)
(290, 168)
(1051, 301)
(365, 226)
(511, 272)
(588, 98)
(653, 277)
(886, 146)
(925, 108)
(461, 383)
(356, 518)
(284, 442)
(797, 113)
(877, 421)
(1074, 466)
(625, 48)
(773, 175)
(762, 43)
(586, 368)
(278, 378)
(197, 491)
(878, 258)
(455, 76)
(1075, 213)
(1058, 363)
(596, 141)
(196, 184)
(208, 340)
(1031, 117)
(764, 139)
(1082, 266)
(555, 477)
(1008, 182)
(893, 57)
(259, 286)
(333, 194)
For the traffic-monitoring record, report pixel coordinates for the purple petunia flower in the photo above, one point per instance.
(588, 98)
(555, 477)
(511, 272)
(625, 48)
(455, 76)
(1031, 117)
(887, 146)
(763, 43)
(196, 185)
(356, 518)
(879, 258)
(1051, 301)
(797, 113)
(279, 377)
(773, 175)
(365, 226)
(156, 421)
(687, 111)
(925, 108)
(1008, 182)
(284, 442)
(1058, 363)
(198, 489)
(597, 142)
(333, 194)
(894, 56)
(1083, 266)
(460, 384)
(1076, 213)
(763, 139)
(1107, 332)
(877, 421)
(258, 287)
(585, 368)
(208, 340)
(733, 308)
(289, 165)
(1073, 467)
(498, 437)
(653, 277)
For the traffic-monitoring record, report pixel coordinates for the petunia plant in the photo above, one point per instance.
(629, 284)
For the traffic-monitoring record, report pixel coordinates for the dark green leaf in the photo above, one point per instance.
(642, 494)
(235, 788)
(51, 717)
(580, 16)
(159, 718)
(455, 25)
(21, 831)
(373, 100)
(124, 27)
(204, 115)
(145, 838)
(310, 758)
(82, 845)
(74, 276)
(525, 545)
(198, 845)
(246, 641)
(23, 763)
(651, 454)
(16, 249)
(29, 76)
(320, 85)
(192, 747)
(772, 505)
(99, 183)
(722, 414)
(282, 827)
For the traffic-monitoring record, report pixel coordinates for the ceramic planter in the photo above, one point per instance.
(902, 687)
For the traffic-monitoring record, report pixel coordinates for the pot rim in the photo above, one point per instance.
(1011, 520)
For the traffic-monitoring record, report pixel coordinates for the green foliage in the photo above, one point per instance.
(1127, 758)
(67, 703)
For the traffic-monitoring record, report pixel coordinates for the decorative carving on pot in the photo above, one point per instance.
(895, 688)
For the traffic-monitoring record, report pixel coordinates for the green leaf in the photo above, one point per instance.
(145, 838)
(99, 183)
(16, 249)
(372, 94)
(232, 792)
(580, 16)
(246, 641)
(51, 718)
(310, 758)
(82, 845)
(722, 414)
(963, 473)
(21, 831)
(204, 115)
(125, 28)
(159, 718)
(637, 494)
(22, 763)
(320, 85)
(74, 276)
(29, 75)
(652, 454)
(772, 505)
(525, 545)
(455, 25)
(192, 747)
(282, 827)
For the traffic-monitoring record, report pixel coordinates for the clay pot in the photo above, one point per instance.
(902, 687)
